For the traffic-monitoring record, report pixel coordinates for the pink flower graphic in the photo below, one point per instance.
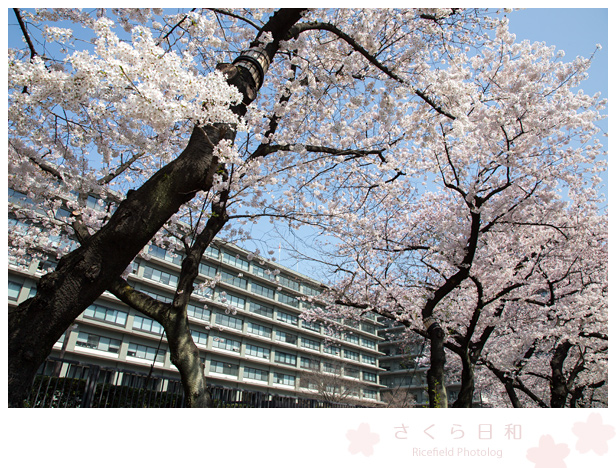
(362, 440)
(548, 454)
(593, 434)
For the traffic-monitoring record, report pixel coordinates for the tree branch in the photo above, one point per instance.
(299, 28)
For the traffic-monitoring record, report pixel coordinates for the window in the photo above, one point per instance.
(235, 260)
(207, 270)
(202, 290)
(102, 343)
(368, 327)
(351, 355)
(366, 343)
(310, 290)
(289, 283)
(261, 309)
(47, 265)
(261, 330)
(331, 367)
(314, 326)
(257, 351)
(255, 374)
(309, 384)
(312, 344)
(286, 337)
(234, 280)
(212, 252)
(158, 252)
(225, 368)
(370, 316)
(351, 372)
(95, 203)
(231, 299)
(368, 359)
(198, 312)
(284, 379)
(329, 349)
(226, 343)
(229, 321)
(289, 300)
(329, 331)
(62, 213)
(145, 352)
(369, 376)
(351, 338)
(19, 198)
(200, 338)
(147, 324)
(285, 358)
(287, 318)
(262, 272)
(261, 290)
(369, 393)
(308, 363)
(14, 290)
(160, 276)
(106, 314)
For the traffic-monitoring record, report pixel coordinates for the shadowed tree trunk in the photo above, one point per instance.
(558, 381)
(467, 388)
(437, 392)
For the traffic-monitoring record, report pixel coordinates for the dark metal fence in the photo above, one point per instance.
(71, 384)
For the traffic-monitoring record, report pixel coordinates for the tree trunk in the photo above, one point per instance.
(558, 382)
(84, 274)
(467, 389)
(185, 356)
(437, 393)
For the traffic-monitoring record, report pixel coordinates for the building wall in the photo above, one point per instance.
(248, 326)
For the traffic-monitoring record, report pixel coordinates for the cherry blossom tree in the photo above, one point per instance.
(509, 202)
(111, 107)
(145, 120)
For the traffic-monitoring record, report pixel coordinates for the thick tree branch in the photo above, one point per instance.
(24, 31)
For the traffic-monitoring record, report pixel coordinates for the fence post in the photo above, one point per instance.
(90, 390)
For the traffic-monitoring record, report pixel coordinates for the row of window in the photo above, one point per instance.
(111, 345)
(237, 261)
(108, 314)
(171, 279)
(225, 368)
(118, 317)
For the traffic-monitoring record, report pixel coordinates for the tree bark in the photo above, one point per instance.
(467, 388)
(84, 274)
(185, 356)
(437, 393)
(558, 382)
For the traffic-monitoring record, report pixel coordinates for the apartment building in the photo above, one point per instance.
(248, 328)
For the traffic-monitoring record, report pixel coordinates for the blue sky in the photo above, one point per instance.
(576, 31)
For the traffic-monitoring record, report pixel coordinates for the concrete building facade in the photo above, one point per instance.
(248, 328)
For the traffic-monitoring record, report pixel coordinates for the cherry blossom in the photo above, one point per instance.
(449, 172)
